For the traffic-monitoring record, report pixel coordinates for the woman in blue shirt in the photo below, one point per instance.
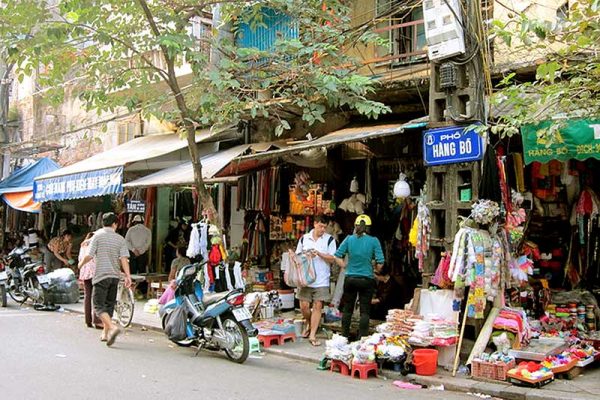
(362, 249)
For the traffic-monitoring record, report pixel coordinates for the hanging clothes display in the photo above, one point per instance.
(477, 260)
(489, 186)
(198, 245)
(255, 238)
(423, 233)
(260, 191)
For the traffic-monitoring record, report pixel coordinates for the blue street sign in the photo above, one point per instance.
(451, 145)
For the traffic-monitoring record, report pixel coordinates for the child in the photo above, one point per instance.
(179, 262)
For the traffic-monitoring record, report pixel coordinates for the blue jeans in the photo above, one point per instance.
(365, 288)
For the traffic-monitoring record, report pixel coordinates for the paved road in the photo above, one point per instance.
(53, 356)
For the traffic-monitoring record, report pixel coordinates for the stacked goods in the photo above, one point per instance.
(434, 331)
(443, 332)
(399, 323)
(421, 334)
(337, 348)
(559, 363)
(530, 373)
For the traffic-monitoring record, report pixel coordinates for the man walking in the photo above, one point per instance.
(111, 254)
(138, 239)
(322, 247)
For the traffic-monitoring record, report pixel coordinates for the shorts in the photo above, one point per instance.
(104, 296)
(311, 294)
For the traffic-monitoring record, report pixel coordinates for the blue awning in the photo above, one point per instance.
(76, 186)
(21, 180)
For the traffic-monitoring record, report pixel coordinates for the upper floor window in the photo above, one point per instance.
(402, 24)
(201, 30)
(127, 131)
(562, 13)
(274, 25)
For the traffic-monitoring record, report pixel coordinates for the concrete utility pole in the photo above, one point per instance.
(5, 71)
(456, 97)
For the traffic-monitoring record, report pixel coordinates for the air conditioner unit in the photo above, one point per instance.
(443, 29)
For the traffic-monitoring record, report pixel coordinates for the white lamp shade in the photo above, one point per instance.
(401, 189)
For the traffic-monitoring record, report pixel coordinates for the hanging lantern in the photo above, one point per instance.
(401, 187)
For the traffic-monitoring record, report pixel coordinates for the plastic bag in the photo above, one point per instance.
(301, 271)
(176, 324)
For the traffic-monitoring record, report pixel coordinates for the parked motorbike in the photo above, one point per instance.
(27, 280)
(215, 321)
(3, 291)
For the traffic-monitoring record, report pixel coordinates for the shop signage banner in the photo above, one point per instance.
(136, 206)
(81, 185)
(451, 145)
(578, 139)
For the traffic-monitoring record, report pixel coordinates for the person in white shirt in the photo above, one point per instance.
(139, 239)
(322, 247)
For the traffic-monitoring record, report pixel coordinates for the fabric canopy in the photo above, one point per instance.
(347, 135)
(139, 149)
(102, 174)
(22, 201)
(212, 165)
(21, 180)
(577, 139)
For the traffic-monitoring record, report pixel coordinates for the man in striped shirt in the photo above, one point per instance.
(110, 251)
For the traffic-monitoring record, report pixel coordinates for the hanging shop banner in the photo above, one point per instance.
(578, 139)
(452, 145)
(81, 185)
(136, 206)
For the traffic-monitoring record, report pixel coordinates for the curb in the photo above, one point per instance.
(133, 323)
(457, 384)
(292, 356)
(460, 385)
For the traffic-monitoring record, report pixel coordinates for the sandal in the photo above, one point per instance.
(314, 342)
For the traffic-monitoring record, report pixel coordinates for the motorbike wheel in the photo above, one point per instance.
(239, 353)
(3, 298)
(15, 294)
(181, 343)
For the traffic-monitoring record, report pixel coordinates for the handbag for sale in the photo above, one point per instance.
(300, 272)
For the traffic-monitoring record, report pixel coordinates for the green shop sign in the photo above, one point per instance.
(578, 139)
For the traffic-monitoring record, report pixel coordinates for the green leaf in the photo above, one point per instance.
(72, 17)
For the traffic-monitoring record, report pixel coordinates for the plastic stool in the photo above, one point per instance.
(364, 369)
(291, 337)
(323, 363)
(268, 340)
(341, 366)
(254, 345)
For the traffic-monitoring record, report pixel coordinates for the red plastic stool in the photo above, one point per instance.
(364, 369)
(291, 337)
(341, 366)
(268, 340)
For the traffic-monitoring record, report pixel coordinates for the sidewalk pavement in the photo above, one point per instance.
(583, 387)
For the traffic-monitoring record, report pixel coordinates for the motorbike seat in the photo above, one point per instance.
(210, 298)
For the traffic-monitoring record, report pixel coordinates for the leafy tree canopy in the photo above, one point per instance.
(567, 81)
(131, 53)
(108, 50)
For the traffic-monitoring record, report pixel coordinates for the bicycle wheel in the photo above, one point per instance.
(125, 306)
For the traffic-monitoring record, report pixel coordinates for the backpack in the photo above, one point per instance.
(328, 242)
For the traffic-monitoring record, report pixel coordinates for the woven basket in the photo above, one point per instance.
(490, 370)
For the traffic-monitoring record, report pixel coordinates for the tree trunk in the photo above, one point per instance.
(205, 202)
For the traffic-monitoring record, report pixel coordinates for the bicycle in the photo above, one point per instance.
(125, 305)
